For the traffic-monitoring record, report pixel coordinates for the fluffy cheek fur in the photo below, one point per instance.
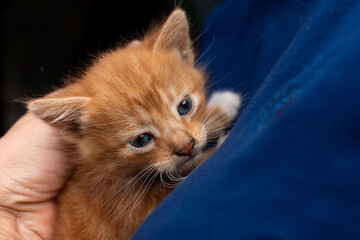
(160, 152)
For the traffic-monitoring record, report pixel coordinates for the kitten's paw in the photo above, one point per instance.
(229, 102)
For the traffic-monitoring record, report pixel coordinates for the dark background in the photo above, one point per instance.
(42, 42)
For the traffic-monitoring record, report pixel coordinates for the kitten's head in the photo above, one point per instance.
(140, 105)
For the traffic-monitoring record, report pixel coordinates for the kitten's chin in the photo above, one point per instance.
(187, 164)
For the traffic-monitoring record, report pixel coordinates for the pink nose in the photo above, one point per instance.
(187, 149)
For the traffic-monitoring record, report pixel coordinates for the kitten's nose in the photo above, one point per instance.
(187, 149)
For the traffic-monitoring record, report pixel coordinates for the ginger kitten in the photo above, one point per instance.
(138, 122)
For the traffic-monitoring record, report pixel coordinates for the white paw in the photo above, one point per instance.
(229, 102)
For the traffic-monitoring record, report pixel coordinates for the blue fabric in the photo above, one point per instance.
(290, 168)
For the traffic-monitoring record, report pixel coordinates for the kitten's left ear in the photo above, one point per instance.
(65, 113)
(174, 34)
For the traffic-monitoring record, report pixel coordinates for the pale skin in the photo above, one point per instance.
(33, 168)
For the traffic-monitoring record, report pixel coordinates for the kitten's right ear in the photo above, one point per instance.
(65, 112)
(174, 34)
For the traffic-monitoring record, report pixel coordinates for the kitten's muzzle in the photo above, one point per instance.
(187, 149)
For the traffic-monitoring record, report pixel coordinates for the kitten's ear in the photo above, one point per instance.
(174, 34)
(62, 112)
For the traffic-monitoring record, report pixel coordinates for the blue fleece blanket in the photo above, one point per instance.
(290, 168)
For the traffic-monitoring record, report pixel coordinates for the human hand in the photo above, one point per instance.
(33, 168)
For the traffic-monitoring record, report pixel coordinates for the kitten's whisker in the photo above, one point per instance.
(208, 48)
(224, 123)
(170, 176)
(216, 134)
(219, 80)
(212, 109)
(178, 175)
(203, 67)
(138, 176)
(174, 178)
(212, 119)
(214, 138)
(202, 33)
(141, 186)
(144, 176)
(132, 179)
(214, 131)
(218, 115)
(171, 185)
(131, 183)
(165, 183)
(216, 123)
(142, 195)
(205, 119)
(217, 131)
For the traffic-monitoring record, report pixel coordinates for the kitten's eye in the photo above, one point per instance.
(185, 106)
(141, 141)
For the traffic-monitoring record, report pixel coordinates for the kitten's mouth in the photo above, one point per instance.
(186, 162)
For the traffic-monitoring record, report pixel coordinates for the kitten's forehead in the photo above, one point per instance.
(136, 73)
(129, 68)
(144, 85)
(155, 103)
